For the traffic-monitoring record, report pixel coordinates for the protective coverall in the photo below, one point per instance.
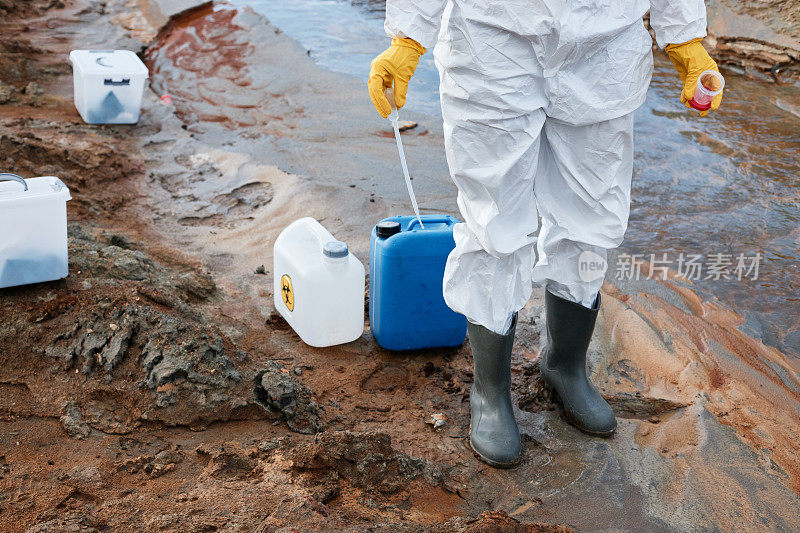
(537, 101)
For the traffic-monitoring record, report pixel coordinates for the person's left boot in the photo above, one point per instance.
(563, 365)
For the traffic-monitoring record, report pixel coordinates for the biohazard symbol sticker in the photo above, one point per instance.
(287, 292)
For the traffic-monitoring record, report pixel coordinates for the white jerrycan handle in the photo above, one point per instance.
(323, 236)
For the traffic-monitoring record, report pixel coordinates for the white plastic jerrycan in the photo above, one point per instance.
(319, 285)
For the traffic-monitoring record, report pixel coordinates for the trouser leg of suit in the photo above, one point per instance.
(507, 157)
(582, 190)
(493, 113)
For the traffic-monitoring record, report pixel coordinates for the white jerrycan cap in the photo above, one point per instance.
(335, 249)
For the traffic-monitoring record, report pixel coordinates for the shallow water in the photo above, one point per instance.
(728, 184)
(345, 37)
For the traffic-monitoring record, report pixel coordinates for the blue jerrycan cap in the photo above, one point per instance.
(387, 228)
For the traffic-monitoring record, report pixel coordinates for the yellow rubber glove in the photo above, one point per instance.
(393, 68)
(690, 60)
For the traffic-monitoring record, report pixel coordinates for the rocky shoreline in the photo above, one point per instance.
(156, 388)
(761, 39)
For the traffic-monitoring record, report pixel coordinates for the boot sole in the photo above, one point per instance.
(493, 464)
(571, 420)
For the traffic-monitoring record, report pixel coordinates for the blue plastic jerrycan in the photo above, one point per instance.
(406, 267)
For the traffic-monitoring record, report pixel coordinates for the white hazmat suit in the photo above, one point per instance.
(537, 100)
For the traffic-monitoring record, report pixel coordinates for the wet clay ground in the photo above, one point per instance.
(155, 389)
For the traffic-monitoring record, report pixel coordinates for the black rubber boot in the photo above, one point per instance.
(563, 365)
(493, 433)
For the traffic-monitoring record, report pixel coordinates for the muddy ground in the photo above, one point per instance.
(156, 389)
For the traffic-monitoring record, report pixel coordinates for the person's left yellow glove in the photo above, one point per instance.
(690, 60)
(393, 68)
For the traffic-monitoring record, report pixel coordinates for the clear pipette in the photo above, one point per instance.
(393, 118)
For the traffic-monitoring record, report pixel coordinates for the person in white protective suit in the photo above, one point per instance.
(537, 101)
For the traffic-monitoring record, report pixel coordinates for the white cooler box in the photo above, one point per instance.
(108, 85)
(33, 243)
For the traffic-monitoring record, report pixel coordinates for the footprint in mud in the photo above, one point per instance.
(675, 433)
(551, 471)
(211, 220)
(638, 406)
(245, 199)
(238, 204)
(386, 377)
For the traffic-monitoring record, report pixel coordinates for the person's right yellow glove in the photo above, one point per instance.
(393, 68)
(690, 60)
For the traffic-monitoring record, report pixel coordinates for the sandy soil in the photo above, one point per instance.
(156, 388)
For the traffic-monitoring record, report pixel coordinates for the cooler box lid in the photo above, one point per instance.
(108, 62)
(12, 190)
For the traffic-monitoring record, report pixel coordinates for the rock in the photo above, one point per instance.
(8, 94)
(166, 522)
(111, 412)
(182, 364)
(227, 461)
(261, 270)
(759, 39)
(118, 345)
(245, 199)
(33, 89)
(198, 284)
(87, 477)
(326, 487)
(309, 512)
(269, 446)
(437, 420)
(129, 264)
(73, 423)
(364, 459)
(278, 392)
(134, 465)
(154, 466)
(405, 125)
(71, 521)
(34, 94)
(532, 394)
(499, 521)
(789, 107)
(160, 11)
(115, 257)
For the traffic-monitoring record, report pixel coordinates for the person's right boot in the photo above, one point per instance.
(493, 434)
(563, 365)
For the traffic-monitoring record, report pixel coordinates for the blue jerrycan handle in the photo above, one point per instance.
(6, 176)
(431, 220)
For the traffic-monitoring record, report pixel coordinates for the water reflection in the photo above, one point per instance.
(728, 183)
